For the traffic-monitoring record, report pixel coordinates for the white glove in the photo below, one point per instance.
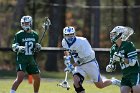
(110, 68)
(17, 48)
(21, 49)
(37, 47)
(67, 60)
(118, 57)
(69, 68)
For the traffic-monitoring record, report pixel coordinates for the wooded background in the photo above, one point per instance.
(93, 19)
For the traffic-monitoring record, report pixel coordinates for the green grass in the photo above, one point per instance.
(49, 84)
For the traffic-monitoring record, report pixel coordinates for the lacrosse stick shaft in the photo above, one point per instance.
(66, 76)
(46, 24)
(42, 36)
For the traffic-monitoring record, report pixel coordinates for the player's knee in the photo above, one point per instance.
(36, 78)
(99, 85)
(136, 89)
(78, 80)
(19, 80)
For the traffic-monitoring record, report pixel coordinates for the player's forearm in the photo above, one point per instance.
(130, 61)
(126, 61)
(75, 64)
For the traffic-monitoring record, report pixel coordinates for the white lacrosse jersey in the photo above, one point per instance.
(80, 49)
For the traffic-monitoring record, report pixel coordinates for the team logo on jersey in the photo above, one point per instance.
(28, 39)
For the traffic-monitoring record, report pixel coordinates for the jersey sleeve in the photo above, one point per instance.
(63, 43)
(112, 50)
(15, 39)
(131, 50)
(36, 36)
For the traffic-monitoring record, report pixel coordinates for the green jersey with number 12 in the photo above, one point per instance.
(28, 40)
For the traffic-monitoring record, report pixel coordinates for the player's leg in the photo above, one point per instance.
(20, 76)
(34, 71)
(19, 79)
(106, 82)
(92, 69)
(136, 89)
(135, 80)
(101, 84)
(78, 80)
(125, 89)
(36, 84)
(126, 85)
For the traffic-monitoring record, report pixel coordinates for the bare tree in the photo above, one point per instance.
(92, 22)
(125, 11)
(57, 16)
(136, 18)
(18, 13)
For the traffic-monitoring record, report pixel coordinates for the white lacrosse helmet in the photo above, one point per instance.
(69, 33)
(26, 22)
(121, 32)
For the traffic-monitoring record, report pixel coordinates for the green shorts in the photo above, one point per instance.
(131, 80)
(29, 68)
(27, 64)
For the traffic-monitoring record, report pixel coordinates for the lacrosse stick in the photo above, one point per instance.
(65, 84)
(127, 33)
(46, 26)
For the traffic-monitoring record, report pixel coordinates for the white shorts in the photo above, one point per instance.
(91, 69)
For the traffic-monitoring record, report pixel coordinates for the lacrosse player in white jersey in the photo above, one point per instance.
(85, 62)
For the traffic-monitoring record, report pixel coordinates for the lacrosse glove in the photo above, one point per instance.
(37, 47)
(118, 57)
(110, 68)
(17, 48)
(67, 60)
(69, 68)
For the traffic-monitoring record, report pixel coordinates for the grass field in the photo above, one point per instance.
(49, 84)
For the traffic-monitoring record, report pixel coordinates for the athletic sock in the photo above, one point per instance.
(12, 91)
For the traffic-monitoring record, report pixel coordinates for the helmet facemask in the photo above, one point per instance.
(26, 22)
(69, 34)
(115, 36)
(116, 33)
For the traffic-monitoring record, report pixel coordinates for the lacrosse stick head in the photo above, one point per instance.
(64, 84)
(46, 23)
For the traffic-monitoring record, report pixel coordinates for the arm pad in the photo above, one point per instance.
(132, 62)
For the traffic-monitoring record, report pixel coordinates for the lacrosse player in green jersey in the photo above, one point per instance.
(124, 53)
(25, 45)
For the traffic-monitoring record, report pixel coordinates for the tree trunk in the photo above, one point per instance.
(125, 12)
(136, 19)
(19, 12)
(57, 17)
(92, 23)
